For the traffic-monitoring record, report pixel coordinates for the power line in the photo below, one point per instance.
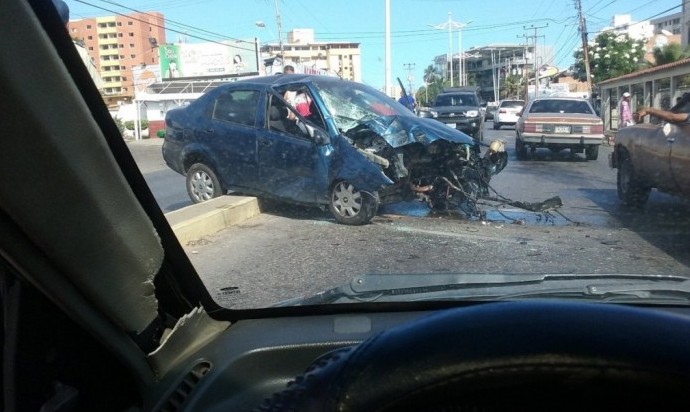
(167, 28)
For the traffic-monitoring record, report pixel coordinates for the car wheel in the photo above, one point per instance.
(592, 152)
(520, 149)
(202, 183)
(631, 191)
(471, 192)
(350, 206)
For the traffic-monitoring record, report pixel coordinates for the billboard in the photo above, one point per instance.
(208, 60)
(144, 76)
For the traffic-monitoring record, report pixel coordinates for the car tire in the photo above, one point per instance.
(203, 184)
(631, 191)
(592, 152)
(350, 206)
(520, 149)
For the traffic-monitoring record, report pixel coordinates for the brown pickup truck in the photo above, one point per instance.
(651, 156)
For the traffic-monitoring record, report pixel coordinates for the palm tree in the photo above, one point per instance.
(669, 53)
(431, 74)
(512, 85)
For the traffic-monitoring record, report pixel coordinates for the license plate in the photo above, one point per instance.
(562, 129)
(451, 125)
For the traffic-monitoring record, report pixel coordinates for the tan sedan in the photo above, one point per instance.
(651, 156)
(559, 123)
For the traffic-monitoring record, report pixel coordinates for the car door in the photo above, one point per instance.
(651, 158)
(679, 138)
(230, 136)
(288, 158)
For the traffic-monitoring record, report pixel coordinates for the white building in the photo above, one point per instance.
(343, 59)
(623, 24)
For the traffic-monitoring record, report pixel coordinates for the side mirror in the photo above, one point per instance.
(320, 137)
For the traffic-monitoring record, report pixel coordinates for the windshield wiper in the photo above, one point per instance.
(600, 287)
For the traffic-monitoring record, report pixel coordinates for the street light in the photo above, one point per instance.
(461, 77)
(450, 25)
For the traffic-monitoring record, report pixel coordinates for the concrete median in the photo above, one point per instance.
(196, 221)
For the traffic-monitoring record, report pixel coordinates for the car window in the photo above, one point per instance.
(456, 100)
(284, 118)
(561, 106)
(237, 106)
(512, 103)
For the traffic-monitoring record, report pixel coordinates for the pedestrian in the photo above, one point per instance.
(288, 69)
(625, 117)
(407, 101)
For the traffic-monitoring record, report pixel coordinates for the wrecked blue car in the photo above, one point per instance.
(325, 142)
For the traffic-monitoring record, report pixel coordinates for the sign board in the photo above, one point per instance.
(144, 76)
(208, 60)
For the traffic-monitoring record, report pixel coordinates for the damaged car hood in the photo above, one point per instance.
(403, 130)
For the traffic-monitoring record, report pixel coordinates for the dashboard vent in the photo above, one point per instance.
(185, 388)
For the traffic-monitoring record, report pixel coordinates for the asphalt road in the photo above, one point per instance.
(292, 251)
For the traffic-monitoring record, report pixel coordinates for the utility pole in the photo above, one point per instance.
(410, 68)
(585, 48)
(280, 30)
(536, 69)
(387, 64)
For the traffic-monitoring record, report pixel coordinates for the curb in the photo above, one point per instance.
(194, 222)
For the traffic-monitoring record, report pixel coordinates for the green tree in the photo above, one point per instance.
(512, 86)
(431, 74)
(610, 55)
(669, 53)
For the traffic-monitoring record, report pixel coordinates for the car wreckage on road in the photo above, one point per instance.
(325, 142)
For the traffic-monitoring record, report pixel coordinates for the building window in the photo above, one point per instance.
(88, 26)
(90, 48)
(131, 34)
(129, 23)
(132, 56)
(131, 44)
(119, 34)
(89, 37)
(119, 23)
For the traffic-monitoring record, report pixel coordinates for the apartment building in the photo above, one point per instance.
(343, 59)
(118, 43)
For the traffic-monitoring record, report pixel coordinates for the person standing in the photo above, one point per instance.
(407, 101)
(625, 117)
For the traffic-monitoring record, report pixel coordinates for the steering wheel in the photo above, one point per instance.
(531, 356)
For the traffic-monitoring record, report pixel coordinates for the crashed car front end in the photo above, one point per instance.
(428, 163)
(425, 159)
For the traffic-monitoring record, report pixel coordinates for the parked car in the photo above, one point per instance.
(650, 156)
(490, 110)
(559, 123)
(350, 150)
(459, 108)
(507, 113)
(102, 309)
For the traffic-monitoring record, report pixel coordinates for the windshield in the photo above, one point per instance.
(299, 158)
(512, 103)
(456, 100)
(351, 103)
(560, 106)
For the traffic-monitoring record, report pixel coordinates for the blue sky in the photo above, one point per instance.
(413, 40)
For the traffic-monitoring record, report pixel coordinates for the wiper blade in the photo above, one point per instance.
(377, 288)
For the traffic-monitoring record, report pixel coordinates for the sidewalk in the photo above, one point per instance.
(196, 221)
